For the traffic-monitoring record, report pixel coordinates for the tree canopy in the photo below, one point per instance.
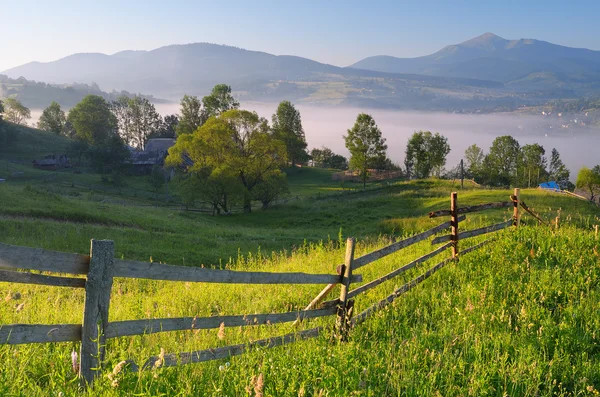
(589, 180)
(366, 145)
(52, 119)
(500, 164)
(287, 127)
(234, 152)
(137, 120)
(15, 111)
(557, 170)
(93, 120)
(218, 101)
(426, 154)
(191, 115)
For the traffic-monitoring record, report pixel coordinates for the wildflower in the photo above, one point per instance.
(221, 368)
(227, 364)
(74, 363)
(19, 307)
(221, 334)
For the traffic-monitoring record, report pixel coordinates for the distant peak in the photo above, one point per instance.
(489, 35)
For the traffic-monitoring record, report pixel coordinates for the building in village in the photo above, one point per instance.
(154, 154)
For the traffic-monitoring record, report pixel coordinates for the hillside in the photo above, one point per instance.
(38, 95)
(524, 64)
(516, 318)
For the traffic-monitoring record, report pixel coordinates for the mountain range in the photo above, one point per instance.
(485, 72)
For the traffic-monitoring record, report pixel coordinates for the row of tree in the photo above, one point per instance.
(509, 164)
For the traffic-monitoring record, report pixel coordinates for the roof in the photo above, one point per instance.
(550, 186)
(159, 144)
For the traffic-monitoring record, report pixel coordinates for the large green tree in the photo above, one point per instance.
(52, 119)
(533, 165)
(15, 111)
(137, 119)
(474, 158)
(589, 180)
(366, 146)
(191, 115)
(93, 120)
(238, 145)
(287, 127)
(218, 101)
(500, 164)
(426, 154)
(557, 170)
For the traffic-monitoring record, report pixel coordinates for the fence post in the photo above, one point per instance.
(344, 310)
(95, 315)
(516, 202)
(454, 223)
(596, 232)
(557, 221)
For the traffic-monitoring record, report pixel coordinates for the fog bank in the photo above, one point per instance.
(325, 126)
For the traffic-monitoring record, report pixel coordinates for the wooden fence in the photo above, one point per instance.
(100, 267)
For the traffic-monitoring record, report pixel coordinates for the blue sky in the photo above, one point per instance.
(336, 32)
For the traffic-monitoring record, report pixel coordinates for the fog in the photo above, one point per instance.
(325, 126)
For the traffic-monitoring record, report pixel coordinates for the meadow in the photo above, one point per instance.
(518, 317)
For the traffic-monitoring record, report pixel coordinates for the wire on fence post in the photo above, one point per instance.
(516, 201)
(345, 307)
(454, 223)
(95, 315)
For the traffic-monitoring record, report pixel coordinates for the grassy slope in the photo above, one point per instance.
(519, 317)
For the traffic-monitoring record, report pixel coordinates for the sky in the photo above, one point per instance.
(334, 32)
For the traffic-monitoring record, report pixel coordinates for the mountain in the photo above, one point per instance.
(491, 57)
(487, 73)
(175, 70)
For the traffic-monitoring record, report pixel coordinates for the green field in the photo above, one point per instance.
(519, 317)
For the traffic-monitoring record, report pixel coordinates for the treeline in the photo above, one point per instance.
(509, 164)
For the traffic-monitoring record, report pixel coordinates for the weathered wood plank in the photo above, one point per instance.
(454, 221)
(324, 292)
(344, 310)
(476, 246)
(474, 232)
(397, 272)
(156, 271)
(10, 276)
(95, 312)
(471, 208)
(530, 212)
(516, 214)
(390, 249)
(402, 290)
(152, 326)
(16, 257)
(171, 360)
(16, 334)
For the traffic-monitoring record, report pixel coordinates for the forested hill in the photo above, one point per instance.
(35, 94)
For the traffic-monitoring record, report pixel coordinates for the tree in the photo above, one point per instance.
(137, 120)
(366, 145)
(167, 128)
(338, 162)
(1, 109)
(287, 127)
(273, 186)
(589, 180)
(108, 158)
(321, 157)
(93, 121)
(558, 171)
(426, 154)
(15, 112)
(52, 119)
(236, 144)
(500, 164)
(77, 148)
(474, 158)
(218, 101)
(534, 165)
(156, 179)
(191, 115)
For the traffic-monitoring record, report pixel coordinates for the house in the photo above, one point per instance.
(155, 152)
(52, 162)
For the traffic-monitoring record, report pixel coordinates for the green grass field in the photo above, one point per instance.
(519, 317)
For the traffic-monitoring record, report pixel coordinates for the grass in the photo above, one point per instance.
(518, 317)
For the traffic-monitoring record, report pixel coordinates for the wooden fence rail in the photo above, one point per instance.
(100, 268)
